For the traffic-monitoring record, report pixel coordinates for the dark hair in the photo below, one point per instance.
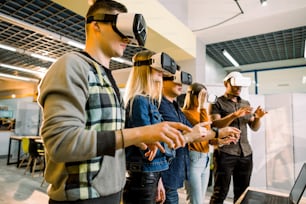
(195, 88)
(192, 93)
(105, 6)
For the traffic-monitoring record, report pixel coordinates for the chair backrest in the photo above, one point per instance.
(25, 142)
(33, 148)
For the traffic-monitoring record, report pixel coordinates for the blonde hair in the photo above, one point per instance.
(140, 81)
(191, 96)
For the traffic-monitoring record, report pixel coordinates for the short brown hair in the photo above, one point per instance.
(106, 6)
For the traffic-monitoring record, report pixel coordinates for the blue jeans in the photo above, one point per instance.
(171, 196)
(199, 176)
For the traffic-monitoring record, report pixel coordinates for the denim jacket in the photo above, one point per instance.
(143, 112)
(179, 168)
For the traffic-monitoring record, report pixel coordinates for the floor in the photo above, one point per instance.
(17, 188)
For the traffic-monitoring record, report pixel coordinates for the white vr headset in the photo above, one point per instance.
(160, 61)
(127, 25)
(241, 81)
(180, 77)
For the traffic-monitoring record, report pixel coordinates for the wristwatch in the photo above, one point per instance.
(254, 115)
(216, 130)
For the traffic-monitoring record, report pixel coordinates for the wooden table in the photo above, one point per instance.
(18, 139)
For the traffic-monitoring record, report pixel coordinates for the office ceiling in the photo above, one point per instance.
(250, 32)
(43, 27)
(281, 45)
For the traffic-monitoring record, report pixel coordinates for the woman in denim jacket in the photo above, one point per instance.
(144, 162)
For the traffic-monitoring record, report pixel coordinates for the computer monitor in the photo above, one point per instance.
(299, 186)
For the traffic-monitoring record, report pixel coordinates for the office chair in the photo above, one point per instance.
(25, 148)
(36, 155)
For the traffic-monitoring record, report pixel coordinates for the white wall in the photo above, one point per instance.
(281, 80)
(121, 76)
(286, 139)
(258, 143)
(179, 8)
(214, 72)
(299, 130)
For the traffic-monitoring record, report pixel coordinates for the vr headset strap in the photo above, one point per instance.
(143, 62)
(101, 18)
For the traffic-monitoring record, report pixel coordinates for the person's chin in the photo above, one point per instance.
(119, 54)
(178, 93)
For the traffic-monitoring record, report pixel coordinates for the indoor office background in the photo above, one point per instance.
(267, 42)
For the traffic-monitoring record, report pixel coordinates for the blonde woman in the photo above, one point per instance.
(142, 97)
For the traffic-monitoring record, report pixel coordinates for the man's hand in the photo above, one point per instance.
(243, 111)
(228, 135)
(259, 112)
(167, 132)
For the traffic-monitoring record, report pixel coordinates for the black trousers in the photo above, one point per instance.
(111, 199)
(141, 188)
(226, 166)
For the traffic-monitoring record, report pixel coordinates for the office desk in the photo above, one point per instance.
(18, 139)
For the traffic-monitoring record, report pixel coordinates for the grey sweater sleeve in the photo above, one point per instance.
(63, 94)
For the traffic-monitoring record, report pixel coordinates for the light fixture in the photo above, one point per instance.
(19, 78)
(6, 47)
(22, 69)
(122, 60)
(230, 58)
(43, 57)
(76, 44)
(263, 2)
(10, 48)
(304, 80)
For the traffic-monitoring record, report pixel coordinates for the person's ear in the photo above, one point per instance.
(97, 27)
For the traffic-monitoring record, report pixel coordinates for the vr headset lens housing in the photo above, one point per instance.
(186, 78)
(127, 25)
(160, 61)
(132, 26)
(240, 81)
(180, 77)
(163, 62)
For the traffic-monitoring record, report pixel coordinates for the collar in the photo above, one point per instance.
(231, 97)
(87, 55)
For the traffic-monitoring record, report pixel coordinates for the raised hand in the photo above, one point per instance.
(243, 111)
(259, 112)
(202, 98)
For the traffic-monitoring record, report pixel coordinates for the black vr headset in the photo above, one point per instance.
(160, 61)
(180, 77)
(126, 25)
